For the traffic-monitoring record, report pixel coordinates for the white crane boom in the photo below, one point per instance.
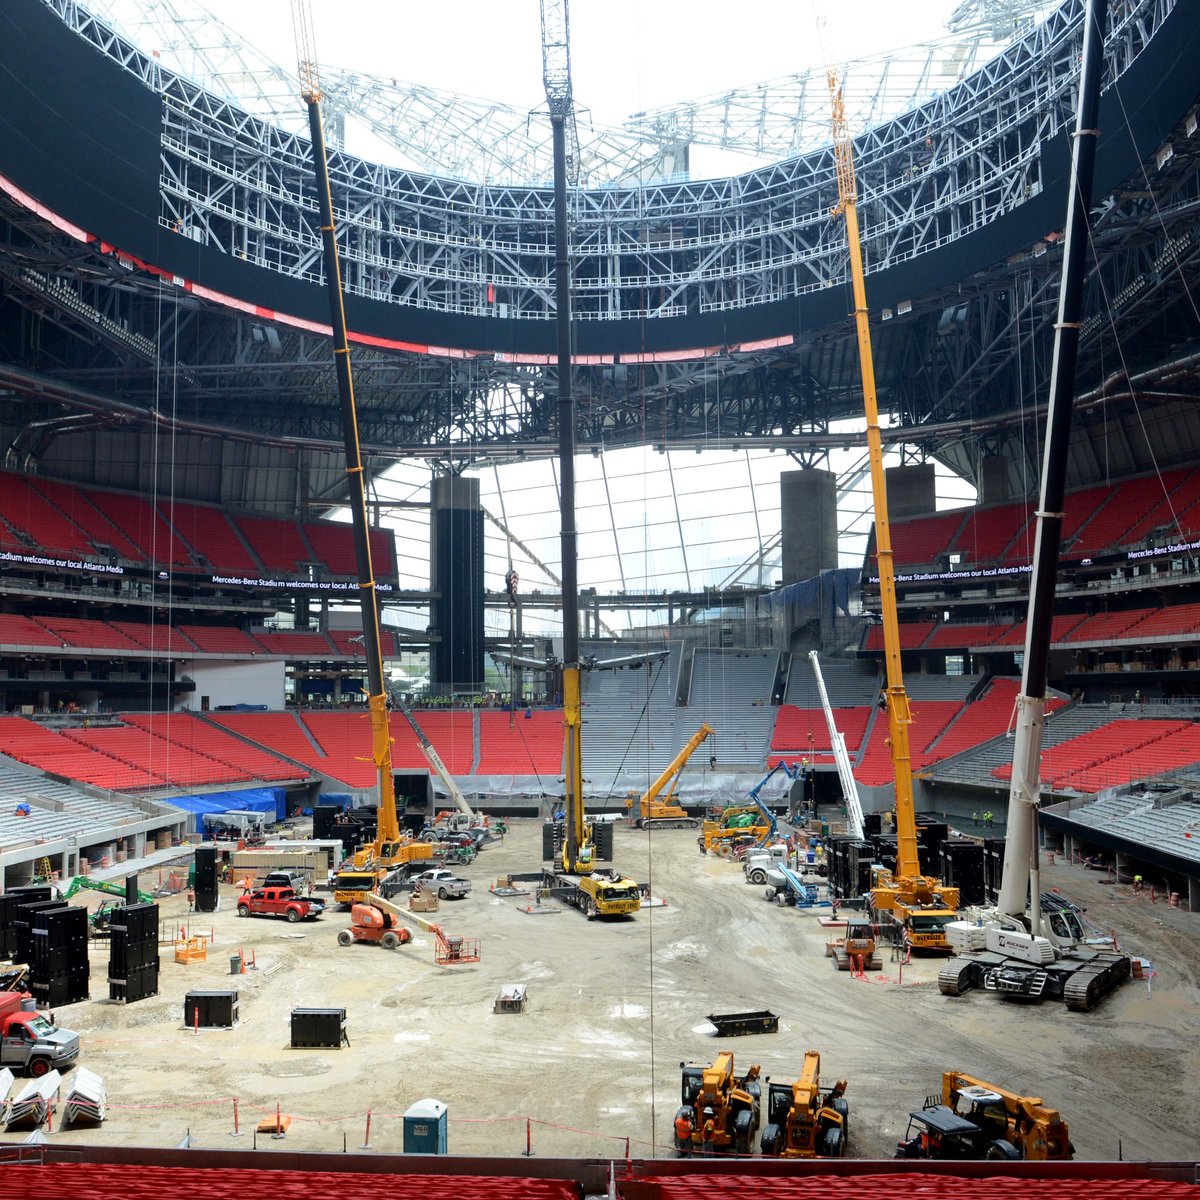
(841, 756)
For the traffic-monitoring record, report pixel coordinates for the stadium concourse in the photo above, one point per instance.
(179, 634)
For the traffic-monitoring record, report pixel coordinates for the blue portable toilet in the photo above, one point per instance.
(425, 1125)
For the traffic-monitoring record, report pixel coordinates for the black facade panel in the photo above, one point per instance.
(458, 611)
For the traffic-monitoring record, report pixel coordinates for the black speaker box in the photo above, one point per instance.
(318, 1027)
(211, 1010)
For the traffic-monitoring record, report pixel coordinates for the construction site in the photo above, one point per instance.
(590, 1065)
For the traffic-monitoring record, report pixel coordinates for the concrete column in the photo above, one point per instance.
(993, 480)
(911, 490)
(808, 515)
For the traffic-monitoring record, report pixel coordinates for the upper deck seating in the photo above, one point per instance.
(46, 527)
(210, 533)
(69, 500)
(279, 544)
(144, 526)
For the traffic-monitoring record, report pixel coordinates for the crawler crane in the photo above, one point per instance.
(920, 904)
(1027, 957)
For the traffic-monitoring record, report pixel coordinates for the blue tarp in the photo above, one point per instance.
(263, 800)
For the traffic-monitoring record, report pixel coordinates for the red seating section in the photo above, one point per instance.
(71, 758)
(453, 737)
(989, 530)
(279, 545)
(912, 635)
(960, 637)
(144, 526)
(280, 732)
(208, 531)
(1106, 627)
(1059, 628)
(516, 744)
(74, 504)
(296, 644)
(1126, 504)
(930, 717)
(1172, 752)
(1163, 622)
(27, 510)
(79, 631)
(188, 733)
(918, 541)
(21, 631)
(160, 638)
(793, 727)
(1116, 739)
(215, 639)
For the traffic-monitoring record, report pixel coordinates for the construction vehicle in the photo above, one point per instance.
(463, 817)
(723, 1109)
(803, 1121)
(745, 825)
(972, 1119)
(919, 905)
(1027, 954)
(389, 848)
(857, 948)
(111, 888)
(279, 902)
(375, 920)
(658, 811)
(841, 755)
(31, 1042)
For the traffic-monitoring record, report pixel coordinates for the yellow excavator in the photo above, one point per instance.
(919, 904)
(803, 1121)
(658, 811)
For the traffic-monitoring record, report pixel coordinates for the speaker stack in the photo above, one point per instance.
(133, 953)
(59, 968)
(23, 919)
(325, 820)
(206, 879)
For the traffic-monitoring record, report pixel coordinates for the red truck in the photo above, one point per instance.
(279, 902)
(29, 1041)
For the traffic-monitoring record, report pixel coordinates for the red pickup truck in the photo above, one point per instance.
(279, 902)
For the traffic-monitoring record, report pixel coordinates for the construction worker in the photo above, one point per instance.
(708, 1132)
(683, 1131)
(1137, 883)
(191, 899)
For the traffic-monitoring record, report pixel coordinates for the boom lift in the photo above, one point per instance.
(663, 813)
(466, 817)
(803, 1121)
(389, 848)
(1026, 957)
(974, 1119)
(840, 754)
(917, 903)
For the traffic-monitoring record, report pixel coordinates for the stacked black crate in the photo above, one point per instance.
(860, 856)
(319, 1027)
(206, 879)
(133, 953)
(993, 868)
(211, 1009)
(962, 868)
(325, 820)
(23, 921)
(872, 824)
(930, 836)
(59, 971)
(835, 860)
(886, 851)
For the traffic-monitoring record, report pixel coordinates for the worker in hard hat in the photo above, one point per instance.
(683, 1131)
(708, 1131)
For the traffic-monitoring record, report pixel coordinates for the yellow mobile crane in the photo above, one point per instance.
(389, 848)
(664, 813)
(917, 902)
(608, 893)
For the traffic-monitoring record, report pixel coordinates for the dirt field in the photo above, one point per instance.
(614, 1009)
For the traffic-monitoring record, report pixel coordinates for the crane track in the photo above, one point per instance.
(1092, 982)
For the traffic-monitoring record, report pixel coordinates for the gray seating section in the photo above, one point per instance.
(940, 687)
(731, 690)
(850, 683)
(56, 809)
(1142, 817)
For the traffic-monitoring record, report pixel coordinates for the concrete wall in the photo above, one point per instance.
(227, 682)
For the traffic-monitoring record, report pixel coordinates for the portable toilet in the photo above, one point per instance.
(425, 1128)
